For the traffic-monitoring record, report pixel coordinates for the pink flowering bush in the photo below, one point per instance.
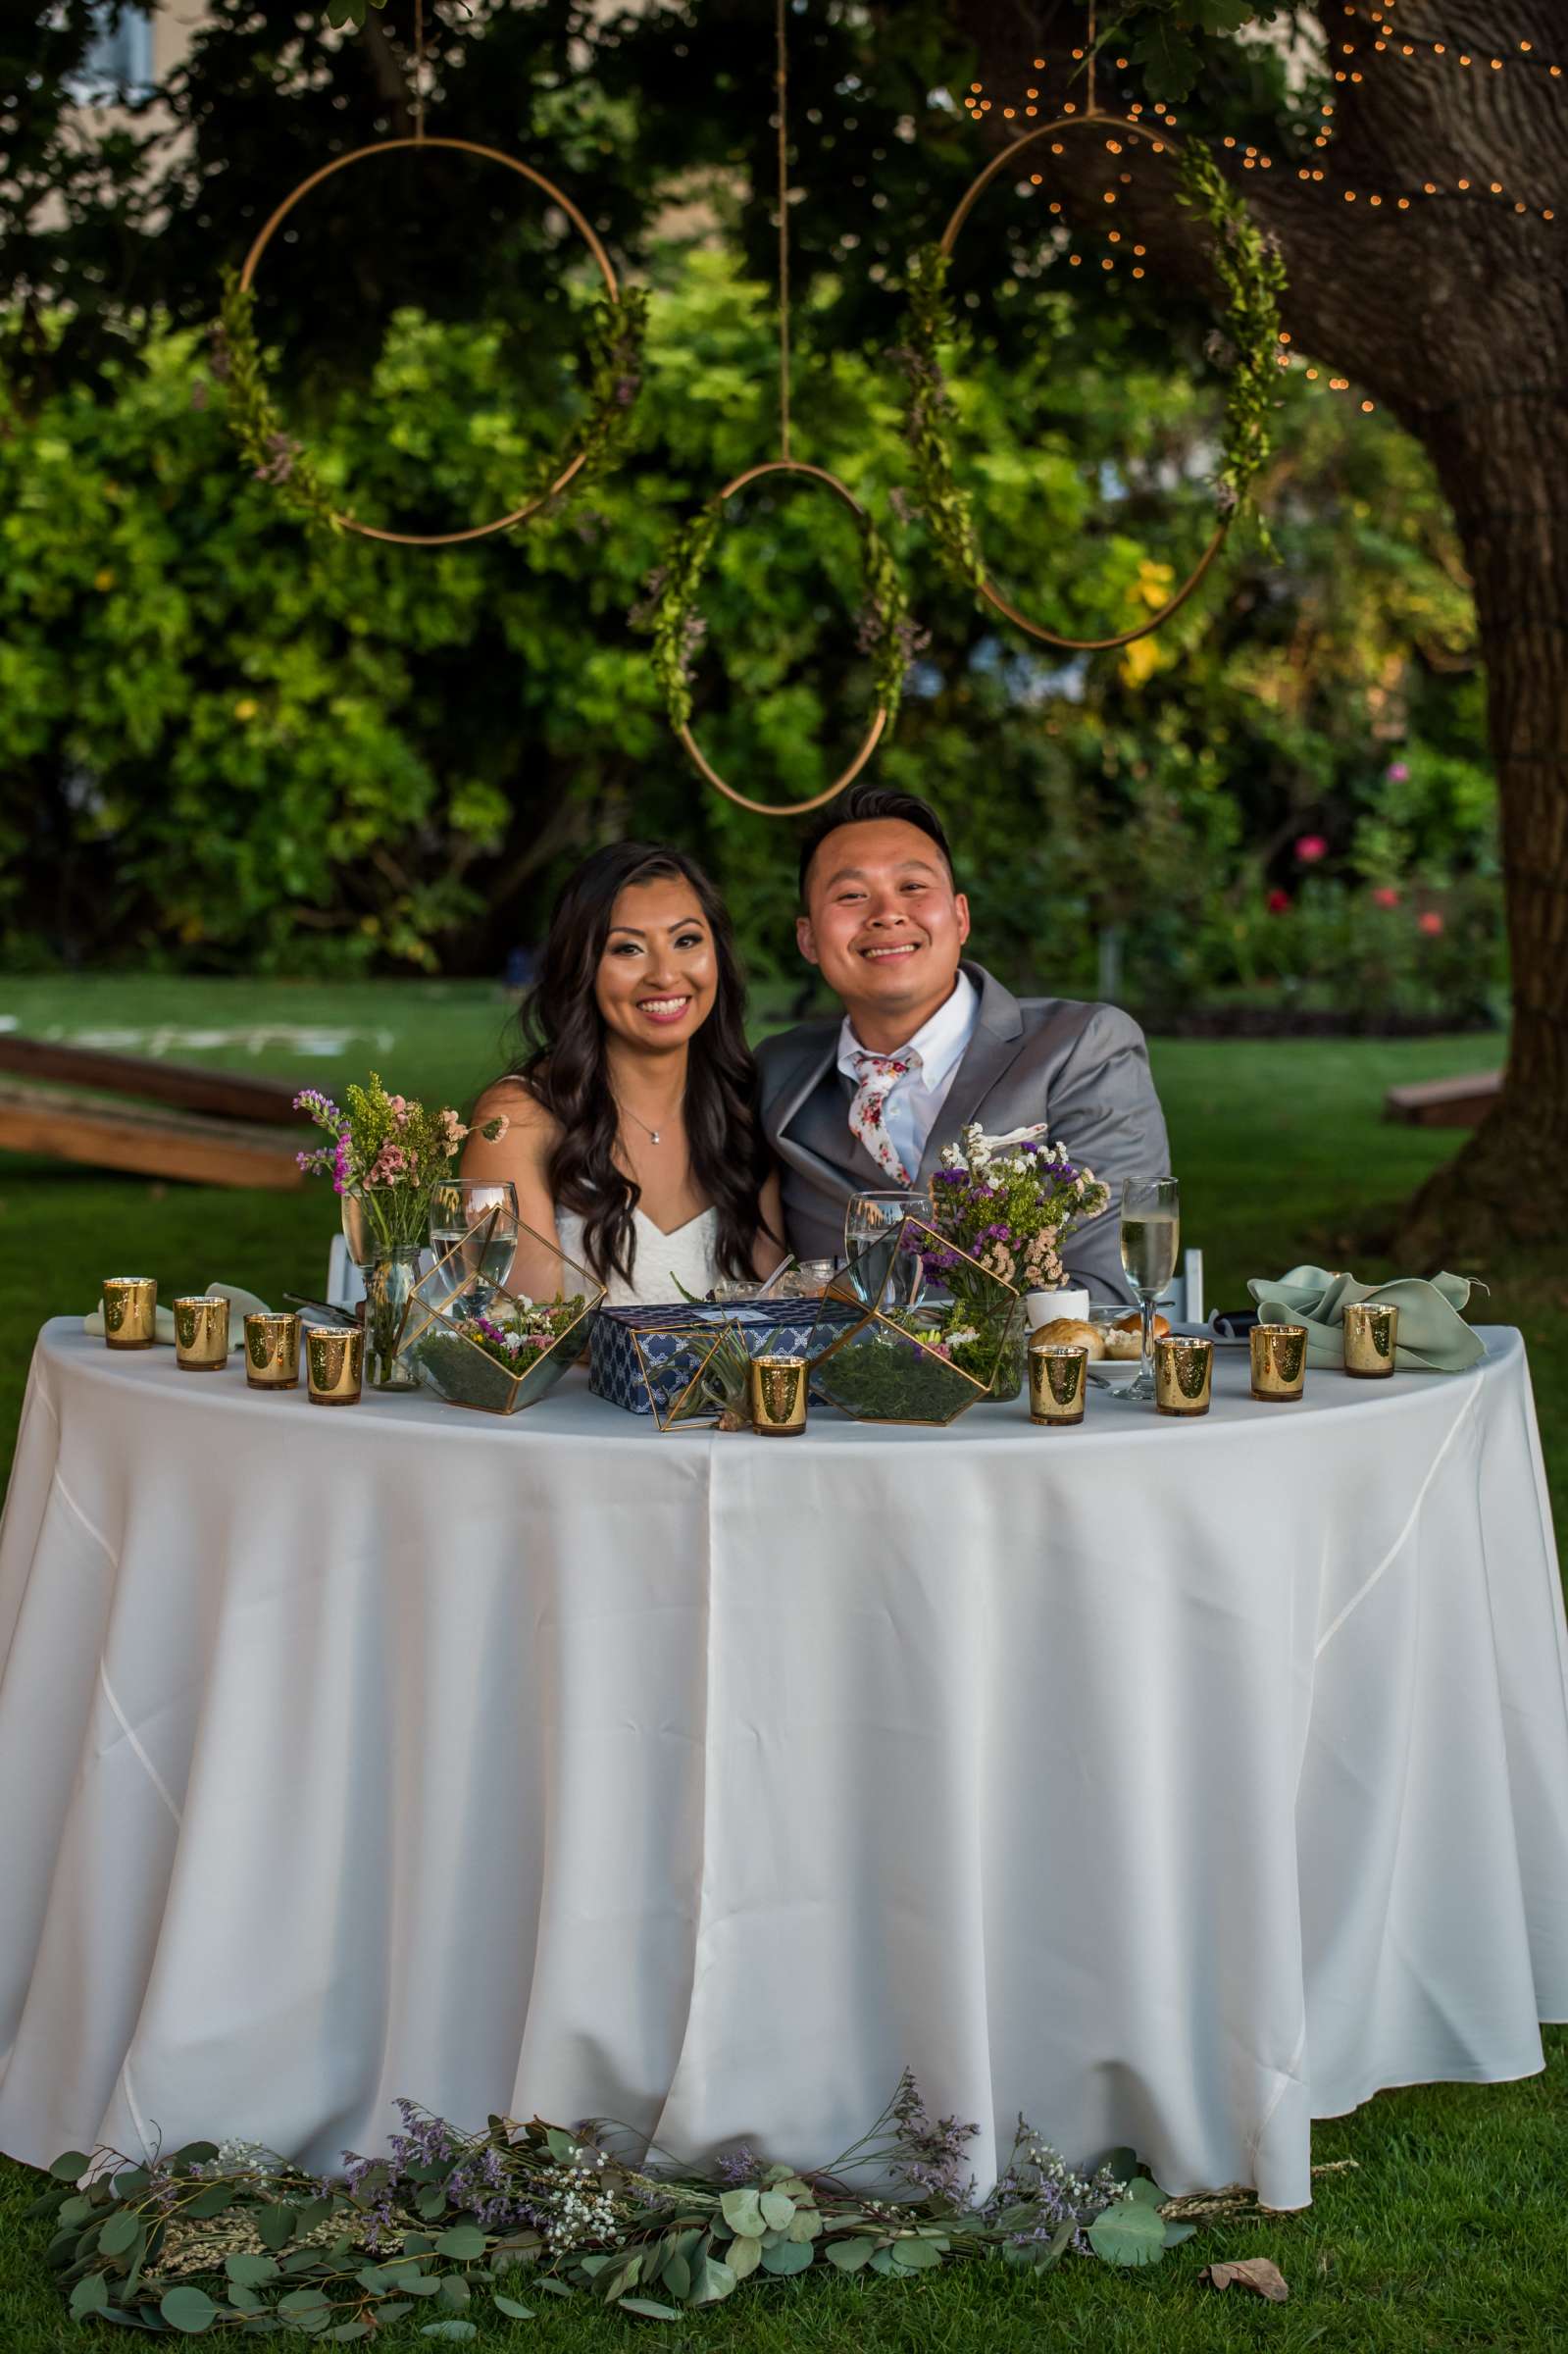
(387, 1153)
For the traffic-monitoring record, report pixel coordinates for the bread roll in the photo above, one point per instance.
(1135, 1323)
(1073, 1333)
(1123, 1345)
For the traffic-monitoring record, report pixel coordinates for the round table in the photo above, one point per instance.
(1175, 1783)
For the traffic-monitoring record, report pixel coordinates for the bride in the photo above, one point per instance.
(633, 1131)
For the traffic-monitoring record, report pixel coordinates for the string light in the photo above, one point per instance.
(1253, 158)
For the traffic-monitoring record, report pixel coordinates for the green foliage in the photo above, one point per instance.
(946, 508)
(227, 748)
(1166, 37)
(1252, 274)
(615, 335)
(651, 2243)
(669, 612)
(273, 456)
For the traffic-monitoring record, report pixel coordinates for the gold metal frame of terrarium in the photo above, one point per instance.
(841, 1292)
(439, 1313)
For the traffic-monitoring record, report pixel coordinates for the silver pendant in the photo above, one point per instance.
(654, 1133)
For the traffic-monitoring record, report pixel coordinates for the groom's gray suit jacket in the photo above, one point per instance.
(1081, 1069)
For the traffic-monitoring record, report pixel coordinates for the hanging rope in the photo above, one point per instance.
(781, 76)
(419, 69)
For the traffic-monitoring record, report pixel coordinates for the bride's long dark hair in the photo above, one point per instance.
(563, 1063)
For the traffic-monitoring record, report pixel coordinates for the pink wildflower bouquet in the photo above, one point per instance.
(387, 1154)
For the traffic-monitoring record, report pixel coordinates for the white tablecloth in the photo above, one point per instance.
(1173, 1783)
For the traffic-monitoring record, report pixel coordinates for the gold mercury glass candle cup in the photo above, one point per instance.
(1371, 1337)
(201, 1334)
(130, 1311)
(272, 1351)
(1058, 1381)
(1278, 1362)
(335, 1358)
(777, 1387)
(1183, 1372)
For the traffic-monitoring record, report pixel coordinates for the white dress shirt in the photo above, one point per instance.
(915, 1100)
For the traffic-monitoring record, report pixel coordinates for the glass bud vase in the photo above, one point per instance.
(1012, 1364)
(390, 1279)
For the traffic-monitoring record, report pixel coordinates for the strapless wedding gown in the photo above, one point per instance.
(664, 1262)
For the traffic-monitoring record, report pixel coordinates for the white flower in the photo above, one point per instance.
(1015, 1136)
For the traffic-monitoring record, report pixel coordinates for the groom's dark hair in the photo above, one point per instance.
(859, 806)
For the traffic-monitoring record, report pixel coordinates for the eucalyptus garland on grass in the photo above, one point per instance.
(1252, 276)
(670, 616)
(615, 337)
(231, 2238)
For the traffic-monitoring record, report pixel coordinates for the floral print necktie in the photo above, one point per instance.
(876, 1077)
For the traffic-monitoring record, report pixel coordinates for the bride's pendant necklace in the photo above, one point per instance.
(652, 1133)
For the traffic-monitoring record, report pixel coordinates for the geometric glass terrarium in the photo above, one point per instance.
(478, 1344)
(912, 1353)
(694, 1375)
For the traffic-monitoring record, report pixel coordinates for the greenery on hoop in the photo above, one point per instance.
(670, 615)
(1251, 269)
(615, 337)
(1252, 274)
(234, 2237)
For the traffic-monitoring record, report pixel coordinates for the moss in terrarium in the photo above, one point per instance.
(881, 1377)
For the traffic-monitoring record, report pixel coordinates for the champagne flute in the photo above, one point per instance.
(473, 1227)
(891, 1278)
(1151, 1234)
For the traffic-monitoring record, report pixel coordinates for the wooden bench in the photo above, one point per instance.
(188, 1085)
(207, 1127)
(61, 1125)
(1444, 1103)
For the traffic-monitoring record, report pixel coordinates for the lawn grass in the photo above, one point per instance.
(1449, 2231)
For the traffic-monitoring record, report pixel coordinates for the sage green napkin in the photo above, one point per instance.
(1434, 1337)
(242, 1304)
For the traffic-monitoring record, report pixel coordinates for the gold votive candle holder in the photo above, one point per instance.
(1183, 1373)
(1058, 1381)
(777, 1396)
(201, 1334)
(130, 1311)
(335, 1363)
(1278, 1362)
(272, 1350)
(1370, 1338)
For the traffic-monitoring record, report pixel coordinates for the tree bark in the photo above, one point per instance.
(1453, 312)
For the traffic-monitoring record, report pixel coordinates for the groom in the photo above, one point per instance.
(927, 1044)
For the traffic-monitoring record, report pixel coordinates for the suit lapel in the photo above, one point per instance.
(812, 1124)
(998, 1042)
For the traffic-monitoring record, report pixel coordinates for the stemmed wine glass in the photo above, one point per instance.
(891, 1278)
(474, 1228)
(1151, 1234)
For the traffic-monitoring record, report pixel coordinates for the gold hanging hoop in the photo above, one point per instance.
(584, 228)
(1093, 118)
(878, 719)
(673, 606)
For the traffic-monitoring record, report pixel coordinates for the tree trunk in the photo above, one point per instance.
(1504, 466)
(1449, 308)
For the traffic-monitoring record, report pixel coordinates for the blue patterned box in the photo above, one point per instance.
(769, 1328)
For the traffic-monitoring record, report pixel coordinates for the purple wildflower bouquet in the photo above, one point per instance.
(387, 1154)
(1010, 1203)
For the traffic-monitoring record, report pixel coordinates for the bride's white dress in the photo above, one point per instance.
(664, 1262)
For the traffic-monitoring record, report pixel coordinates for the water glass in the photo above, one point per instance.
(886, 1277)
(1151, 1236)
(474, 1229)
